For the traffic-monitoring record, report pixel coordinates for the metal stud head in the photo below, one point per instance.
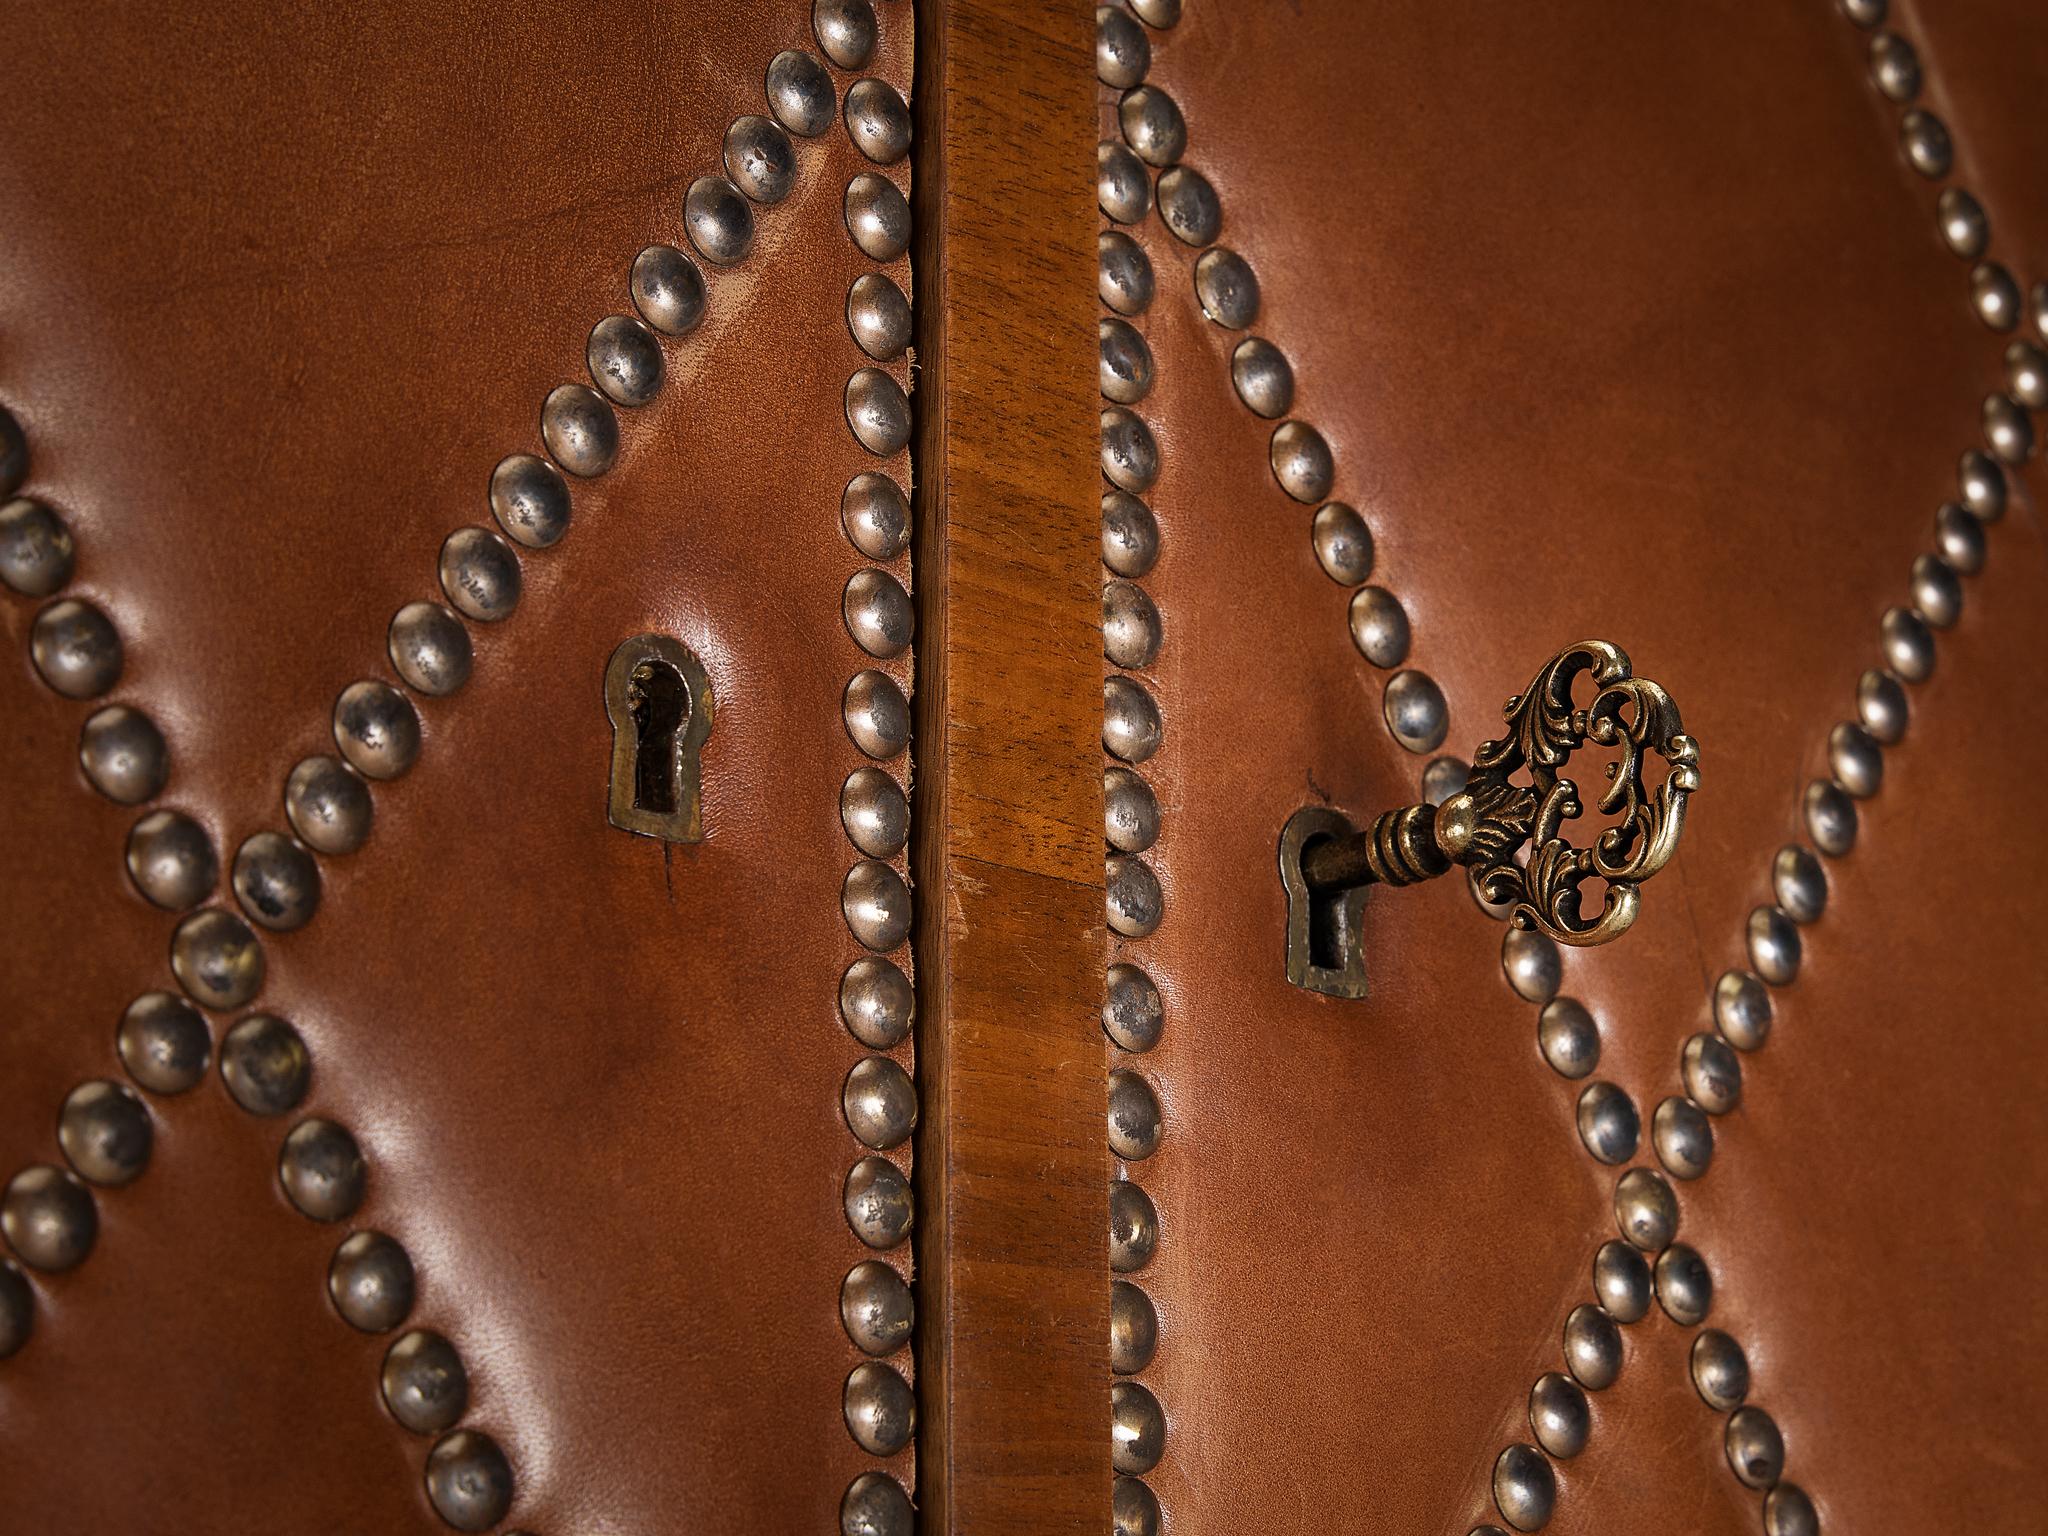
(1379, 626)
(425, 1384)
(877, 904)
(1568, 1038)
(17, 1309)
(1227, 288)
(1153, 125)
(75, 649)
(1685, 1286)
(1130, 811)
(1894, 67)
(370, 1282)
(1995, 296)
(1133, 899)
(580, 429)
(719, 221)
(1301, 461)
(879, 1103)
(469, 1480)
(1131, 727)
(1122, 188)
(1830, 818)
(1720, 1371)
(1800, 884)
(1531, 962)
(1959, 535)
(1881, 705)
(877, 612)
(1124, 362)
(1608, 1123)
(1263, 377)
(875, 515)
(1130, 534)
(123, 755)
(1645, 1210)
(322, 1170)
(480, 574)
(377, 730)
(1981, 484)
(1133, 1509)
(1712, 1072)
(1443, 777)
(1559, 1416)
(876, 1505)
(625, 359)
(1924, 139)
(1157, 13)
(1131, 627)
(1133, 1015)
(429, 648)
(1189, 206)
(171, 860)
(163, 1043)
(49, 1219)
(881, 1410)
(1742, 1010)
(1133, 1328)
(36, 549)
(874, 812)
(1864, 13)
(1123, 273)
(529, 497)
(1964, 228)
(668, 290)
(1789, 1512)
(1415, 711)
(878, 315)
(877, 216)
(1773, 946)
(1133, 1227)
(1937, 592)
(876, 1002)
(2008, 431)
(800, 93)
(276, 881)
(876, 713)
(1856, 760)
(1122, 51)
(878, 1202)
(265, 1065)
(1134, 1118)
(1592, 1347)
(1343, 544)
(1908, 646)
(105, 1133)
(2026, 374)
(1755, 1448)
(1130, 454)
(1621, 1281)
(218, 959)
(878, 121)
(1524, 1488)
(759, 160)
(878, 411)
(328, 805)
(846, 31)
(875, 1307)
(1137, 1428)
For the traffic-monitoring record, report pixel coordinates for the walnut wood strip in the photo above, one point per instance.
(1012, 1166)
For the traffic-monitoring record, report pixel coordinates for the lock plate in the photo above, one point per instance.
(1325, 942)
(660, 704)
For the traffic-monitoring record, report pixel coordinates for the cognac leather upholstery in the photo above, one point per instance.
(282, 289)
(1634, 324)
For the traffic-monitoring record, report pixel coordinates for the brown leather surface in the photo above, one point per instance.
(1629, 324)
(281, 289)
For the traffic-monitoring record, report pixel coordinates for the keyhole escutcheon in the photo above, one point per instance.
(659, 702)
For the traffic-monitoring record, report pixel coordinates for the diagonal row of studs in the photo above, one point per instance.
(1646, 1208)
(48, 1215)
(1143, 172)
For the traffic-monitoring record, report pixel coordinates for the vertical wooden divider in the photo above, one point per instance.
(1012, 1161)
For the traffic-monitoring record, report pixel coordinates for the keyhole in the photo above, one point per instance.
(660, 702)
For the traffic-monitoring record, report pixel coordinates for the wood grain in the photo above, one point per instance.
(1013, 1165)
